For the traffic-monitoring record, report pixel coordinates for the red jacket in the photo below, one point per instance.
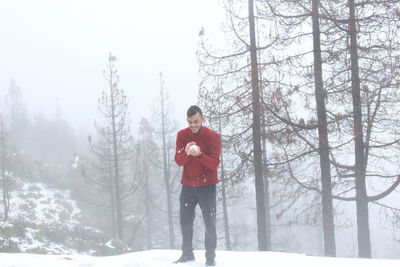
(201, 170)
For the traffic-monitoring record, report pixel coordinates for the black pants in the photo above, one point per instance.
(205, 196)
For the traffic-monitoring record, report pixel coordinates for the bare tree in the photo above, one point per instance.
(372, 43)
(263, 243)
(6, 156)
(116, 144)
(17, 115)
(323, 140)
(213, 110)
(347, 31)
(165, 129)
(237, 72)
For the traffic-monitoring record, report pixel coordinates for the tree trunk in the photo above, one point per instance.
(112, 194)
(266, 188)
(118, 205)
(327, 209)
(257, 151)
(364, 242)
(3, 141)
(228, 244)
(265, 167)
(167, 175)
(147, 205)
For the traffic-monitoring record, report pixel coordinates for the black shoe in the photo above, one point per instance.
(185, 258)
(210, 262)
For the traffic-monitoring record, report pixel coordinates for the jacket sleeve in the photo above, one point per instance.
(211, 160)
(180, 155)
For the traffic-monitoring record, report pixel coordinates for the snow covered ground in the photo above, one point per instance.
(38, 203)
(37, 212)
(164, 258)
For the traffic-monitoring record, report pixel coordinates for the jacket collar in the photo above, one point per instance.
(195, 134)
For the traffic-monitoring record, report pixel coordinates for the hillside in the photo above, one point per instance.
(45, 220)
(38, 203)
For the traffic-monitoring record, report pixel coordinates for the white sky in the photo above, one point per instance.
(56, 51)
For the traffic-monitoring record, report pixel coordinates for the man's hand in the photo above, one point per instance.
(187, 148)
(192, 149)
(195, 150)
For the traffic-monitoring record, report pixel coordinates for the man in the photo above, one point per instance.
(198, 150)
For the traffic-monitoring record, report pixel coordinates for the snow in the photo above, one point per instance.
(35, 207)
(194, 148)
(39, 204)
(75, 164)
(164, 258)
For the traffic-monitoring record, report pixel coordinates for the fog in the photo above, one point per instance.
(56, 52)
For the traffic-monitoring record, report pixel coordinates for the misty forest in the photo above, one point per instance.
(306, 97)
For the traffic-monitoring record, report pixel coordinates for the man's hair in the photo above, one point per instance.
(193, 110)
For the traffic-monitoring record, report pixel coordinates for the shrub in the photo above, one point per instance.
(37, 250)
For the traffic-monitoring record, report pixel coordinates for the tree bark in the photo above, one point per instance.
(3, 141)
(327, 209)
(167, 174)
(112, 193)
(228, 244)
(364, 242)
(118, 204)
(256, 127)
(147, 204)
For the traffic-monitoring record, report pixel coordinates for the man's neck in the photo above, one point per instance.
(196, 133)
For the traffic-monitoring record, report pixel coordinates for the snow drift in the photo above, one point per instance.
(164, 258)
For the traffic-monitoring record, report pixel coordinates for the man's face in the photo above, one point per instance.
(195, 122)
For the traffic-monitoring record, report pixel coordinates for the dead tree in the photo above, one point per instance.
(237, 71)
(6, 157)
(116, 145)
(166, 127)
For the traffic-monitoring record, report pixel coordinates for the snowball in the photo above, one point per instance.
(194, 148)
